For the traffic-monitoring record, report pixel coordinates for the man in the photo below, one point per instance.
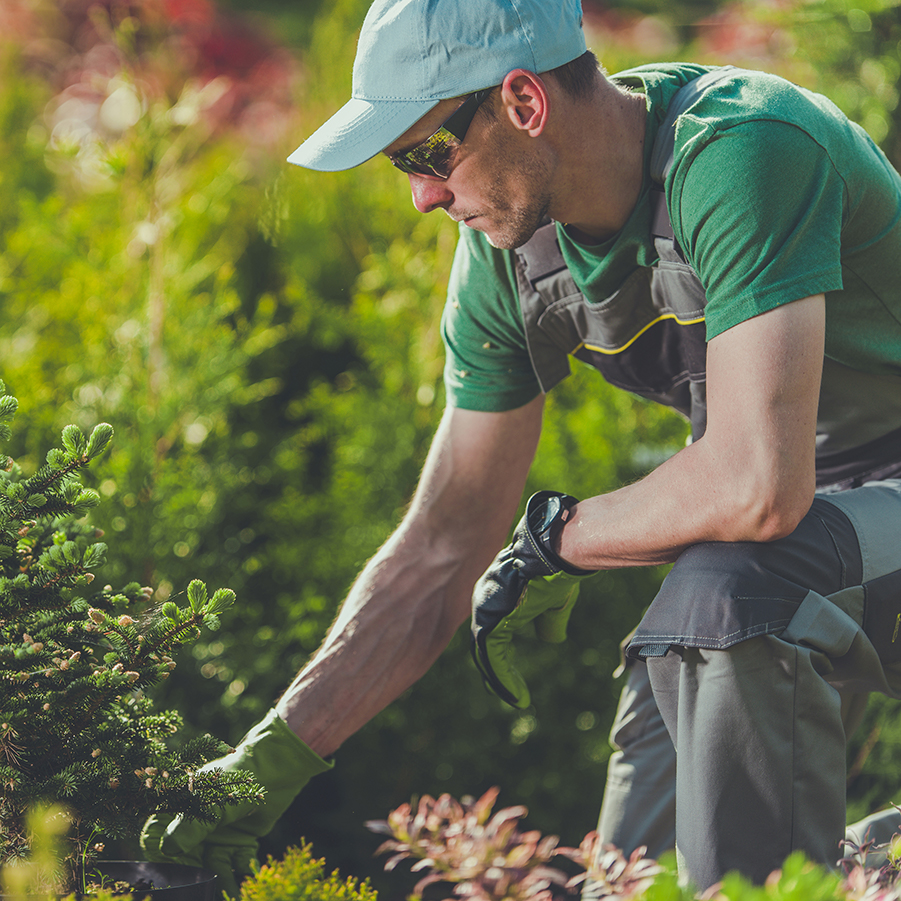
(731, 250)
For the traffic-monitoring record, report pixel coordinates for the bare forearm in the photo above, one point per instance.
(690, 499)
(398, 618)
(415, 593)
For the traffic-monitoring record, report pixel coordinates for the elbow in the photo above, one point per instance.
(775, 513)
(777, 524)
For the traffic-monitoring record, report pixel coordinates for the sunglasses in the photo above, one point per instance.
(434, 156)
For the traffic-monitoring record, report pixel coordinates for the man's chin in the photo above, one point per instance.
(508, 242)
(499, 241)
(514, 235)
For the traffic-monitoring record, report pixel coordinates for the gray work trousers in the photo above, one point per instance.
(737, 755)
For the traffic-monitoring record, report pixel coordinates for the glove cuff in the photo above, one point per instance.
(547, 512)
(275, 749)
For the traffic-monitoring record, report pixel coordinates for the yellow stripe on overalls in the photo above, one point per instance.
(637, 335)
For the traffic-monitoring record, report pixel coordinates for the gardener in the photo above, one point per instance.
(733, 250)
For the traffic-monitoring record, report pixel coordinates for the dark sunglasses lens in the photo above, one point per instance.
(432, 157)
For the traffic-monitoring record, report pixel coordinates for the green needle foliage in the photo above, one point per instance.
(75, 725)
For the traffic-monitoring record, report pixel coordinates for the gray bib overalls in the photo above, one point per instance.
(747, 645)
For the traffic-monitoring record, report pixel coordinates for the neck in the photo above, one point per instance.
(601, 162)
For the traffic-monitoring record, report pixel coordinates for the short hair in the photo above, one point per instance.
(577, 77)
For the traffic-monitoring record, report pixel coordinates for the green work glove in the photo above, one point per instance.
(527, 582)
(281, 763)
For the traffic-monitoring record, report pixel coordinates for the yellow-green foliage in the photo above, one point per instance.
(798, 880)
(301, 877)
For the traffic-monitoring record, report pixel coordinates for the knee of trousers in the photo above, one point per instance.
(721, 593)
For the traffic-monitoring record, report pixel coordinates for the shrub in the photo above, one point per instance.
(75, 725)
(300, 877)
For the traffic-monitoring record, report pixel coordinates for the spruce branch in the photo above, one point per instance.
(74, 723)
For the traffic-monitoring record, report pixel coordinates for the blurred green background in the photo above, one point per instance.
(264, 341)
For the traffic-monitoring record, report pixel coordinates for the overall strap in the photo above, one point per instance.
(665, 142)
(663, 151)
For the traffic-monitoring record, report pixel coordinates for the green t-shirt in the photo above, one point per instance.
(773, 196)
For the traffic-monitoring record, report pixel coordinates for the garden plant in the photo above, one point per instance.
(76, 727)
(465, 848)
(299, 876)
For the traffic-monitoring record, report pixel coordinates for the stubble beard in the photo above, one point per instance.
(513, 222)
(519, 224)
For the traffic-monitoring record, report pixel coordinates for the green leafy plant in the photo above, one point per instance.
(75, 725)
(37, 877)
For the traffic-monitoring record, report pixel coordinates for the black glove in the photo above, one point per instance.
(526, 582)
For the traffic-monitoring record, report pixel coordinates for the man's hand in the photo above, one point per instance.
(526, 582)
(281, 763)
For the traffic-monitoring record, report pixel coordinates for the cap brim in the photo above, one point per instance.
(357, 132)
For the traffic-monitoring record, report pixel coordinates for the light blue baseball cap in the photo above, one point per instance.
(413, 53)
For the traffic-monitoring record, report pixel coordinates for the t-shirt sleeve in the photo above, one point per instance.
(759, 214)
(487, 366)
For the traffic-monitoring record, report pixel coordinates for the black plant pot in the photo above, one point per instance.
(169, 881)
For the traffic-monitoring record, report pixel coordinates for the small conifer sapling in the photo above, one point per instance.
(76, 727)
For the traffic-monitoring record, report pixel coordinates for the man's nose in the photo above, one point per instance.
(430, 193)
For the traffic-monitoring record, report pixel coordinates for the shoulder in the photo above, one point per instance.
(658, 80)
(488, 364)
(747, 98)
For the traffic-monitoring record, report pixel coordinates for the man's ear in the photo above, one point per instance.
(524, 99)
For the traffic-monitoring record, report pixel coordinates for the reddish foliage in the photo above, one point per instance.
(487, 858)
(89, 47)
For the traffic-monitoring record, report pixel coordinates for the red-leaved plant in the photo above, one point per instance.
(870, 883)
(487, 858)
